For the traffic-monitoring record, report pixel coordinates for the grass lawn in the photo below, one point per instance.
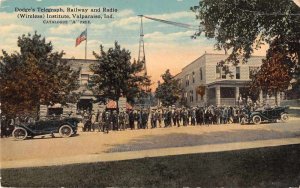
(263, 167)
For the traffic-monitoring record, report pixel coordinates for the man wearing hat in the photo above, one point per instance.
(107, 122)
(115, 120)
(145, 119)
(131, 117)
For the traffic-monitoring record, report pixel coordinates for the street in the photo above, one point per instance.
(95, 143)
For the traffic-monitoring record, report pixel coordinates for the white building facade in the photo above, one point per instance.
(218, 88)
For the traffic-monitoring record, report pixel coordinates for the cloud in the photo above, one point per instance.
(133, 22)
(1, 1)
(125, 13)
(9, 18)
(97, 27)
(169, 37)
(13, 28)
(9, 36)
(174, 15)
(66, 29)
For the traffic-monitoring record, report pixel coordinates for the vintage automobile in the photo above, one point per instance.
(269, 115)
(65, 127)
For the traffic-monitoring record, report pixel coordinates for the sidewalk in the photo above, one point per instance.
(117, 156)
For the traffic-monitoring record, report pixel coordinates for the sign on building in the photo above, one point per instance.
(122, 104)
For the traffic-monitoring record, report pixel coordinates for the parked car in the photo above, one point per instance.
(269, 115)
(65, 127)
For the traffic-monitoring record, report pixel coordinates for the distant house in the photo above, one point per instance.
(216, 87)
(87, 97)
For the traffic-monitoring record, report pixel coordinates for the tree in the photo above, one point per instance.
(116, 76)
(242, 25)
(169, 91)
(274, 75)
(35, 76)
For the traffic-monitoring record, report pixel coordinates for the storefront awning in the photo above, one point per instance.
(113, 105)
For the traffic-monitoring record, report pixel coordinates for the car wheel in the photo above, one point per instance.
(256, 119)
(19, 133)
(284, 117)
(65, 131)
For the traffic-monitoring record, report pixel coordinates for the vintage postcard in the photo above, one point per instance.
(150, 93)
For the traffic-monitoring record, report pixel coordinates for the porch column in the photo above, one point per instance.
(278, 98)
(218, 96)
(204, 101)
(261, 98)
(268, 100)
(237, 94)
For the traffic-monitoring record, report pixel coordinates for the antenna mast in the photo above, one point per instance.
(142, 57)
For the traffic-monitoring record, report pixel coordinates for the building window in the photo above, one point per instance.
(253, 71)
(201, 74)
(193, 77)
(84, 79)
(180, 82)
(218, 72)
(187, 80)
(185, 96)
(191, 96)
(223, 74)
(237, 73)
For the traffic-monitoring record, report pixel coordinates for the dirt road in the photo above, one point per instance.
(89, 143)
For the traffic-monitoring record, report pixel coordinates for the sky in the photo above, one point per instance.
(166, 46)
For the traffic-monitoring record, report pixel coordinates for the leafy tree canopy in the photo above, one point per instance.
(35, 75)
(274, 75)
(169, 91)
(115, 75)
(242, 25)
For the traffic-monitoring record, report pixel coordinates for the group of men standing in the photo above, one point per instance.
(144, 118)
(162, 117)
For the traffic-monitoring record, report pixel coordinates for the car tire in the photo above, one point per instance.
(65, 131)
(256, 119)
(19, 133)
(284, 117)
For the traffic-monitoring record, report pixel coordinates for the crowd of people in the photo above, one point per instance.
(161, 117)
(145, 118)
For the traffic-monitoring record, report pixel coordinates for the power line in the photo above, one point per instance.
(178, 24)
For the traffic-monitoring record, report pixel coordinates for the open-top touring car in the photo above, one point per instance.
(65, 127)
(269, 115)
